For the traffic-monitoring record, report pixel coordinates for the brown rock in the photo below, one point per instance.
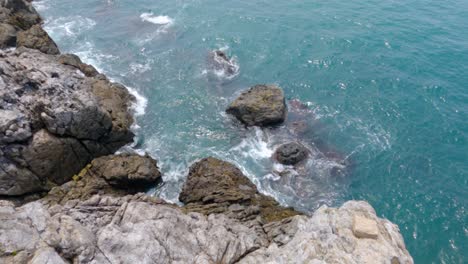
(216, 186)
(365, 228)
(37, 38)
(261, 105)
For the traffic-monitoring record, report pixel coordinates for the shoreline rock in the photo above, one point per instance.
(58, 114)
(54, 117)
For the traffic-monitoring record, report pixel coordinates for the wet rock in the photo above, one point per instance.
(291, 153)
(216, 186)
(261, 105)
(37, 38)
(223, 66)
(7, 36)
(55, 120)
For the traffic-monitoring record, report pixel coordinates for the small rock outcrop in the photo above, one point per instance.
(261, 105)
(216, 186)
(291, 153)
(54, 120)
(15, 16)
(222, 65)
(114, 175)
(37, 38)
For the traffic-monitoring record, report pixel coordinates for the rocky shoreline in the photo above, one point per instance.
(65, 197)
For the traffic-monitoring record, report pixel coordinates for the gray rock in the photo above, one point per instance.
(135, 229)
(36, 38)
(291, 153)
(55, 120)
(261, 105)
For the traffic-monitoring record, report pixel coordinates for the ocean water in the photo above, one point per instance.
(383, 86)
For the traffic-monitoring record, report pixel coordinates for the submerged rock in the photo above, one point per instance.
(54, 120)
(221, 65)
(216, 186)
(261, 105)
(291, 153)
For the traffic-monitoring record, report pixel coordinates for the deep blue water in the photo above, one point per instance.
(385, 82)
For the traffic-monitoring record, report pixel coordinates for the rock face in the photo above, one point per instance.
(291, 153)
(54, 120)
(16, 16)
(216, 186)
(37, 38)
(139, 229)
(261, 105)
(327, 237)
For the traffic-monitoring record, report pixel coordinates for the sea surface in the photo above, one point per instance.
(382, 86)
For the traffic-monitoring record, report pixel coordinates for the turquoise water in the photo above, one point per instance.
(385, 82)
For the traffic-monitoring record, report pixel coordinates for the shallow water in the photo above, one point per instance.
(385, 83)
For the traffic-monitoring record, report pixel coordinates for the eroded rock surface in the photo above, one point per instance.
(54, 120)
(139, 229)
(261, 105)
(216, 186)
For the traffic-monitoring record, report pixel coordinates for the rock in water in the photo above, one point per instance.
(261, 105)
(54, 120)
(291, 153)
(221, 65)
(216, 186)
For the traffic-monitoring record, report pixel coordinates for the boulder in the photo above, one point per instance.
(222, 65)
(261, 105)
(216, 186)
(115, 175)
(291, 153)
(7, 36)
(36, 38)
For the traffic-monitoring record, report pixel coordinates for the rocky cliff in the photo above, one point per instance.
(59, 121)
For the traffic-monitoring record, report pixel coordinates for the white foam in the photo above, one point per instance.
(139, 107)
(40, 5)
(255, 147)
(158, 20)
(68, 26)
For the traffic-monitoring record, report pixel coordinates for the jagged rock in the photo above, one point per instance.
(221, 65)
(75, 61)
(327, 237)
(36, 38)
(291, 153)
(216, 186)
(7, 35)
(261, 105)
(19, 13)
(140, 229)
(55, 120)
(116, 175)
